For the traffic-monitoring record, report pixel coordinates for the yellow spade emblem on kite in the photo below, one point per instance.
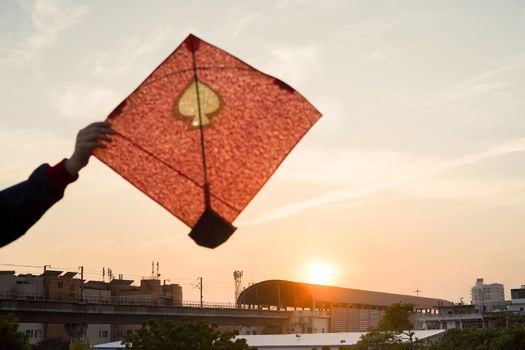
(186, 106)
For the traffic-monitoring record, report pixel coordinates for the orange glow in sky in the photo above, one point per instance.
(320, 273)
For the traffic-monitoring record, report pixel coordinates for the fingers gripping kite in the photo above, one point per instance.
(203, 133)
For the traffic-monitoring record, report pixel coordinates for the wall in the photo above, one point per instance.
(97, 295)
(34, 331)
(302, 321)
(62, 288)
(98, 334)
(354, 318)
(119, 331)
(7, 283)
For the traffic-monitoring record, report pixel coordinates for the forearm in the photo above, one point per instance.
(23, 204)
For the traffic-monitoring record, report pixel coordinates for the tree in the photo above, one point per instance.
(397, 318)
(10, 337)
(482, 339)
(387, 335)
(190, 335)
(381, 340)
(78, 345)
(512, 340)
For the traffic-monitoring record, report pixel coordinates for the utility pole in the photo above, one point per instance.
(200, 288)
(81, 283)
(46, 287)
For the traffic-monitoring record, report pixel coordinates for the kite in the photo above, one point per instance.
(203, 133)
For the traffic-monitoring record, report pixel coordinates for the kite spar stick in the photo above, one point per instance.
(211, 230)
(203, 152)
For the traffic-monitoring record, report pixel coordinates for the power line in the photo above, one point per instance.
(16, 265)
(92, 273)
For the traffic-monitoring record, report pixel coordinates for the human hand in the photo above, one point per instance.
(89, 138)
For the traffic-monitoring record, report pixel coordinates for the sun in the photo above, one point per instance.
(320, 273)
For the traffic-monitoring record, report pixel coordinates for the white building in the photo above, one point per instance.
(332, 341)
(487, 295)
(449, 317)
(33, 331)
(517, 299)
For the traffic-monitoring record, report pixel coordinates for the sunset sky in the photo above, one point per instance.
(413, 179)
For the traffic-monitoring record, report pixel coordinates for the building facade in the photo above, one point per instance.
(487, 296)
(517, 300)
(488, 309)
(318, 309)
(54, 285)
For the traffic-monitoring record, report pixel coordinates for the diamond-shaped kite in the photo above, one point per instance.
(203, 133)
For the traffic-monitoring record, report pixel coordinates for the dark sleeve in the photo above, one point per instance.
(23, 204)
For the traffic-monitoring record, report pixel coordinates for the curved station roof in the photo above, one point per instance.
(282, 294)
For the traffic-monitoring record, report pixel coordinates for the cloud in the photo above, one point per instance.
(500, 80)
(49, 18)
(366, 31)
(241, 24)
(357, 174)
(497, 190)
(125, 54)
(292, 64)
(510, 146)
(92, 101)
(87, 103)
(24, 149)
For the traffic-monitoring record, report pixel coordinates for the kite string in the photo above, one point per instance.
(203, 152)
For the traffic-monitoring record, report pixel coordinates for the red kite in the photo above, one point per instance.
(203, 133)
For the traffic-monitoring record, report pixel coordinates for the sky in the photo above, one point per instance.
(411, 180)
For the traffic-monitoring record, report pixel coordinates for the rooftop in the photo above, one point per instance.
(303, 295)
(295, 341)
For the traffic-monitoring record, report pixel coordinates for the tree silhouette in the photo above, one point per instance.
(190, 335)
(10, 337)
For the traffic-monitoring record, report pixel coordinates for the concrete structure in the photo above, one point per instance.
(53, 287)
(301, 320)
(98, 333)
(488, 296)
(331, 309)
(490, 312)
(453, 316)
(122, 291)
(60, 286)
(517, 300)
(33, 331)
(28, 285)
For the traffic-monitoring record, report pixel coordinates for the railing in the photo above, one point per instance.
(115, 300)
(444, 317)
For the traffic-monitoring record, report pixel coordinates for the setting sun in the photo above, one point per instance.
(320, 273)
